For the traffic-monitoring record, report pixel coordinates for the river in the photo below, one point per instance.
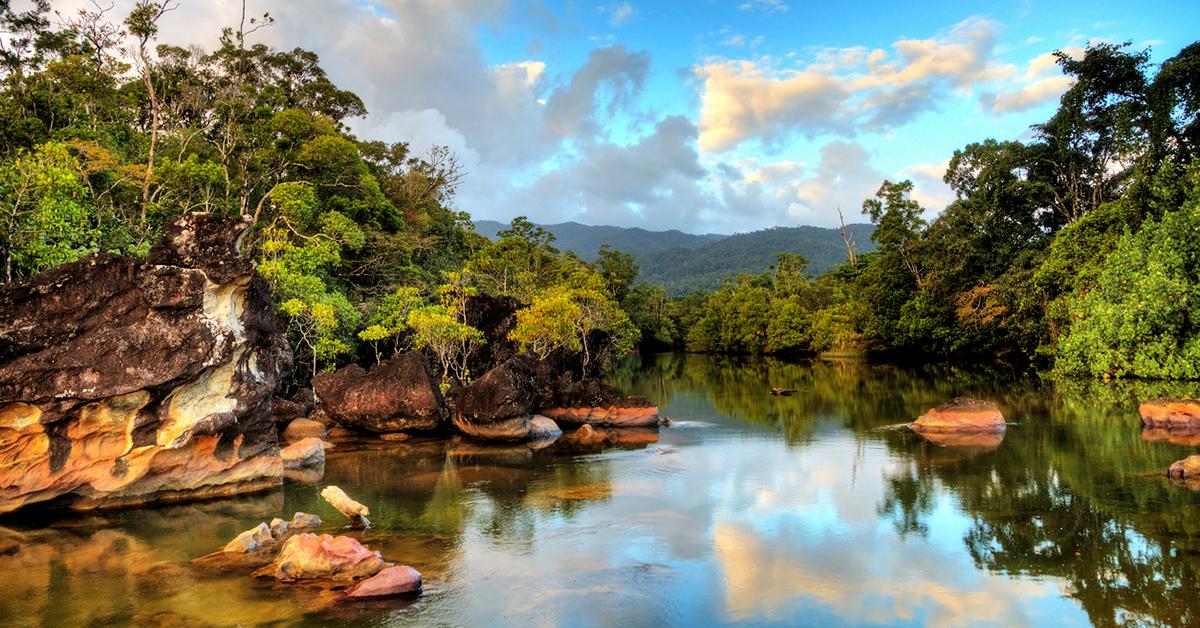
(748, 509)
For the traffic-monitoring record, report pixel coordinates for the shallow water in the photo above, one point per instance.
(749, 509)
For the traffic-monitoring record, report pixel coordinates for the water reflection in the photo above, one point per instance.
(751, 508)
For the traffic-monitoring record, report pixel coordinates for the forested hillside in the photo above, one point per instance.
(682, 263)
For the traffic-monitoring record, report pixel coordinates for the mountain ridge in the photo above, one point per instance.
(683, 262)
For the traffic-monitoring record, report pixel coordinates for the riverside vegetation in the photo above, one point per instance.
(1075, 248)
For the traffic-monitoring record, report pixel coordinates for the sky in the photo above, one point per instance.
(703, 116)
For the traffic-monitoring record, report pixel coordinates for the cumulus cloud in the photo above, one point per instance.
(843, 90)
(1041, 83)
(612, 73)
(619, 14)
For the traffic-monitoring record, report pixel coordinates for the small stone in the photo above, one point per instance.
(250, 540)
(279, 528)
(302, 520)
(394, 436)
(397, 580)
(543, 428)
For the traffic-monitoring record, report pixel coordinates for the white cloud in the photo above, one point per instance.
(619, 14)
(1041, 83)
(770, 6)
(843, 90)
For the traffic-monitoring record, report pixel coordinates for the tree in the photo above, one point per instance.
(142, 24)
(618, 269)
(898, 223)
(1139, 320)
(389, 318)
(548, 324)
(45, 217)
(436, 328)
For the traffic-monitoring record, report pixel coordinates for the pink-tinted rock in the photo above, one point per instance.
(1171, 413)
(961, 415)
(399, 580)
(310, 556)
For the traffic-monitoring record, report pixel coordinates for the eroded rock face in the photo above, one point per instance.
(1186, 472)
(961, 415)
(396, 395)
(1171, 413)
(126, 381)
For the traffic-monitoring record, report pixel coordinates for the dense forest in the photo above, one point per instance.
(1077, 247)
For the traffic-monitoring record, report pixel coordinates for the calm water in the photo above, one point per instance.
(750, 509)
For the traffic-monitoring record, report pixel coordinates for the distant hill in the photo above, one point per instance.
(704, 268)
(683, 262)
(585, 240)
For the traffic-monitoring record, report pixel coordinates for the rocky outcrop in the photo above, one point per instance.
(633, 412)
(961, 415)
(125, 381)
(396, 395)
(499, 406)
(1171, 413)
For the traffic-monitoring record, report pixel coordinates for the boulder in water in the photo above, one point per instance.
(961, 415)
(396, 395)
(1171, 413)
(301, 520)
(304, 454)
(391, 581)
(310, 556)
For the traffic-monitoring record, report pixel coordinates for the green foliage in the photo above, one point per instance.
(46, 218)
(1138, 319)
(438, 329)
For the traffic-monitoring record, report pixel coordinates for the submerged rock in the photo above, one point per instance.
(279, 528)
(1187, 469)
(396, 395)
(250, 540)
(126, 381)
(1171, 413)
(633, 413)
(961, 415)
(352, 510)
(398, 580)
(309, 556)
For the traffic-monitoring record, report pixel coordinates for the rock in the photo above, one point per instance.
(1185, 438)
(399, 580)
(508, 391)
(1171, 413)
(279, 528)
(543, 428)
(301, 429)
(352, 510)
(250, 540)
(302, 520)
(309, 556)
(303, 454)
(319, 416)
(285, 411)
(587, 435)
(394, 437)
(306, 398)
(126, 381)
(961, 415)
(396, 395)
(615, 416)
(1186, 472)
(341, 432)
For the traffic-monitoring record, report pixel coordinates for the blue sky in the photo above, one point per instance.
(710, 115)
